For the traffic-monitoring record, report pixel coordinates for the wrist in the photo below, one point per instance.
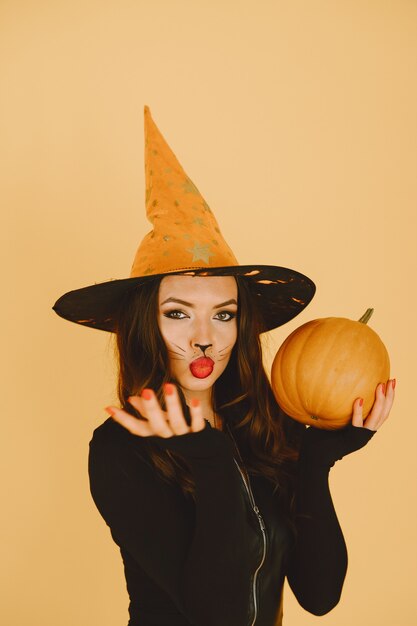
(322, 448)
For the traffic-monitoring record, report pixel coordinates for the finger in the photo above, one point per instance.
(374, 418)
(357, 416)
(131, 423)
(389, 399)
(156, 416)
(175, 414)
(197, 418)
(138, 404)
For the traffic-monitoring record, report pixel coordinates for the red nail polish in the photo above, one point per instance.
(147, 394)
(109, 410)
(169, 389)
(394, 382)
(361, 402)
(383, 388)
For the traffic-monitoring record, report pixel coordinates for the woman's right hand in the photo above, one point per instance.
(156, 421)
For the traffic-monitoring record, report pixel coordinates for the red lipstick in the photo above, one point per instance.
(202, 367)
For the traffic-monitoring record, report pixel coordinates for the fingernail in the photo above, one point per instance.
(109, 410)
(394, 382)
(361, 402)
(169, 389)
(195, 402)
(383, 388)
(146, 394)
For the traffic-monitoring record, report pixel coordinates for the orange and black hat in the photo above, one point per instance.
(185, 239)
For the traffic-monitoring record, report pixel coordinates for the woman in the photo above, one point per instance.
(213, 495)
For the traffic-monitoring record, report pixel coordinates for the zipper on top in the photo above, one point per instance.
(255, 508)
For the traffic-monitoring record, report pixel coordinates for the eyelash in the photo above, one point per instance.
(169, 315)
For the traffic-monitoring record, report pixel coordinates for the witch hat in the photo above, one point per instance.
(185, 239)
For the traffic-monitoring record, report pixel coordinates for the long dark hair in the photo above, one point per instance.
(267, 439)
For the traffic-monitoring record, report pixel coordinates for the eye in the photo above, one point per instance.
(231, 316)
(222, 316)
(174, 314)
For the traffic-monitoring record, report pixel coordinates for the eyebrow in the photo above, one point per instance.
(218, 306)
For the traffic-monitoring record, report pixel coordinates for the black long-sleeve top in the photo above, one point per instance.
(214, 562)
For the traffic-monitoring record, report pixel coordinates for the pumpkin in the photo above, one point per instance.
(324, 365)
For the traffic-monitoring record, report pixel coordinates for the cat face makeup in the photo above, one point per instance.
(197, 317)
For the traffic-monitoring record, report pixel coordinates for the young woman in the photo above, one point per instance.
(213, 495)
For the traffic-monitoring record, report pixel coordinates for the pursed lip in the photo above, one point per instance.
(203, 360)
(201, 367)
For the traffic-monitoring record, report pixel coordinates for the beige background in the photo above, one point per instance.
(297, 122)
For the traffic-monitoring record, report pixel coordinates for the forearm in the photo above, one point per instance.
(318, 562)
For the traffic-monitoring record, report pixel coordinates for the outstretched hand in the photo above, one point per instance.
(156, 421)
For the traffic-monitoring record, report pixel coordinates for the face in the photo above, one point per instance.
(197, 320)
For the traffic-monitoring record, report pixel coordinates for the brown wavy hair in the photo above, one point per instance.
(268, 440)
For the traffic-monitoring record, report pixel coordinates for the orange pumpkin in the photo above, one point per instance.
(324, 365)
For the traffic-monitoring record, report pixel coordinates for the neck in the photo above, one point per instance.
(205, 397)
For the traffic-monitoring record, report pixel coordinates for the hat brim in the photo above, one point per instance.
(281, 293)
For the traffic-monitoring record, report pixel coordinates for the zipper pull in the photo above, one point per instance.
(261, 521)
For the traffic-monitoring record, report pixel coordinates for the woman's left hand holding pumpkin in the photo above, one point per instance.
(320, 447)
(384, 398)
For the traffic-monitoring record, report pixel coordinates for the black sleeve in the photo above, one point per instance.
(318, 562)
(206, 576)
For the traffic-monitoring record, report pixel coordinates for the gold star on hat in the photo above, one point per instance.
(185, 239)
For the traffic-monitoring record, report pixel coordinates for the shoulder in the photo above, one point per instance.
(108, 432)
(113, 447)
(109, 436)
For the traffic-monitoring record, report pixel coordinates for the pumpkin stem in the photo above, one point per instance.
(366, 316)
